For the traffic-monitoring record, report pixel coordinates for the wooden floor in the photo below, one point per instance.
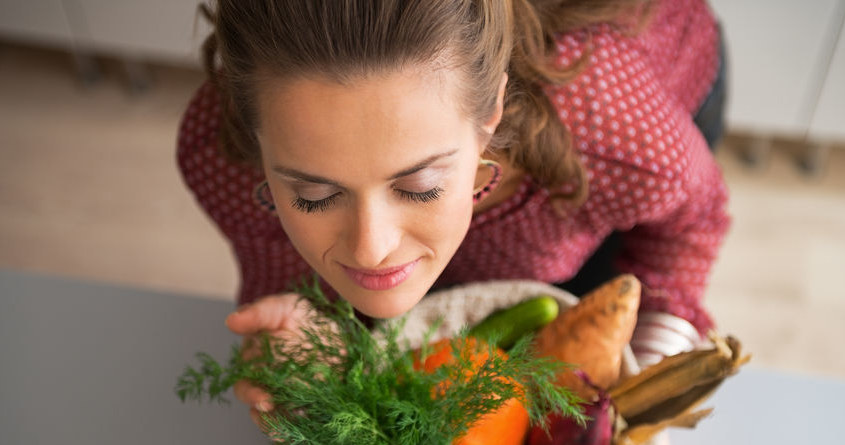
(89, 189)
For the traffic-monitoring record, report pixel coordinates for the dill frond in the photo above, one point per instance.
(344, 384)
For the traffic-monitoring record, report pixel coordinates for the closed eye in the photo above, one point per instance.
(320, 205)
(426, 196)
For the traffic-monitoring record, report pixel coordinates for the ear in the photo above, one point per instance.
(489, 127)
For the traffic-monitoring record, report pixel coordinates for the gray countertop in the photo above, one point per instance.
(760, 406)
(84, 363)
(94, 364)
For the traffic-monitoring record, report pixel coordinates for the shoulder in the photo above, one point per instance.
(617, 110)
(200, 122)
(197, 141)
(223, 188)
(637, 143)
(614, 95)
(676, 54)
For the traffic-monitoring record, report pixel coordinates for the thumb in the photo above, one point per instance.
(270, 314)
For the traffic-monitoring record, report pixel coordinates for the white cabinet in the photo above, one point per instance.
(42, 21)
(164, 30)
(828, 121)
(168, 31)
(782, 79)
(778, 54)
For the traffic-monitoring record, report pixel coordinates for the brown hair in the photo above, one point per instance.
(348, 39)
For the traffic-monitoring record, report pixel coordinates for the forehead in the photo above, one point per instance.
(388, 119)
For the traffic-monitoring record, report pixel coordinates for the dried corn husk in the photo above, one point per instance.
(667, 394)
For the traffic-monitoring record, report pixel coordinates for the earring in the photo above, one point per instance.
(263, 198)
(484, 190)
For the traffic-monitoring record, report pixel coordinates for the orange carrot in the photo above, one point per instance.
(505, 426)
(592, 334)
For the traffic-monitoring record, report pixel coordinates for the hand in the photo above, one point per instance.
(278, 315)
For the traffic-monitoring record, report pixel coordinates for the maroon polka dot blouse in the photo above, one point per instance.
(650, 174)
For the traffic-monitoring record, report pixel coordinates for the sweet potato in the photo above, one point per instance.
(592, 334)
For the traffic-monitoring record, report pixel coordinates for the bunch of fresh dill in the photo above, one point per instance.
(345, 384)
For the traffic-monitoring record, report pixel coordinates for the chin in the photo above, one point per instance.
(385, 304)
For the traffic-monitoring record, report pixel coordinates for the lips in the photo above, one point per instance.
(381, 279)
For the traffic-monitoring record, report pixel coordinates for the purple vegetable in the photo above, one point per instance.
(566, 431)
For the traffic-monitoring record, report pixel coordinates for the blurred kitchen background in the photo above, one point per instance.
(91, 93)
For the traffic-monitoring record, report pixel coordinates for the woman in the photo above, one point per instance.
(396, 147)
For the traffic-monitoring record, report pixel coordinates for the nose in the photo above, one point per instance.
(375, 233)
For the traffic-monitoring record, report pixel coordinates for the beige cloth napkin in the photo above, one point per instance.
(468, 304)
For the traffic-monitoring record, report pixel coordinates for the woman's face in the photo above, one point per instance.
(372, 181)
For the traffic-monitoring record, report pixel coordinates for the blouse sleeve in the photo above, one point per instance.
(673, 251)
(268, 263)
(651, 176)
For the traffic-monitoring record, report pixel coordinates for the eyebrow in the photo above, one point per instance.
(307, 177)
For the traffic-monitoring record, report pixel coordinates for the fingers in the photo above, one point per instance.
(250, 348)
(259, 402)
(253, 396)
(256, 418)
(278, 315)
(269, 314)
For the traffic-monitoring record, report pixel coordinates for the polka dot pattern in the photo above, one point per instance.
(267, 260)
(650, 175)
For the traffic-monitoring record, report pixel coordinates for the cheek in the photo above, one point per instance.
(450, 228)
(310, 236)
(445, 224)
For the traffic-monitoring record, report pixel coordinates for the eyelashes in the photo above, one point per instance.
(320, 205)
(324, 204)
(426, 196)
